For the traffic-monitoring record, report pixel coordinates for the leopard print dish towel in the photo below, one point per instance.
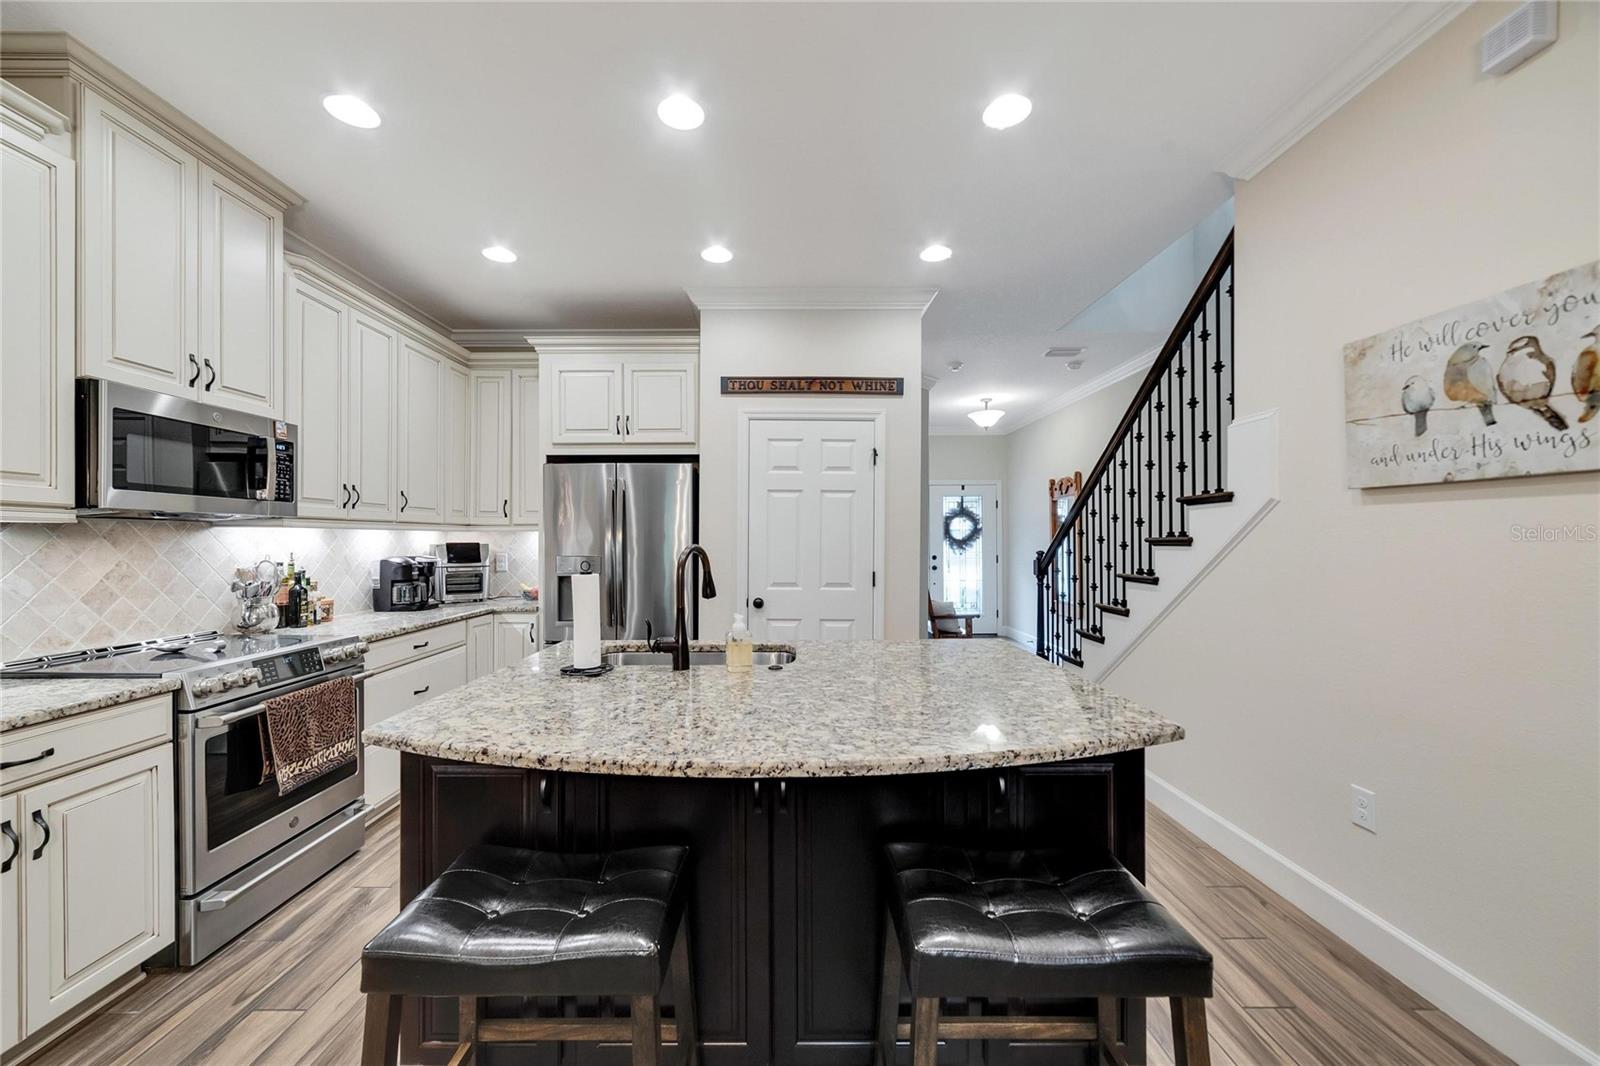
(313, 731)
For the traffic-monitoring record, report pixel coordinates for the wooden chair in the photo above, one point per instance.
(958, 626)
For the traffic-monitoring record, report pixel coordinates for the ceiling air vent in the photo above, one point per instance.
(1527, 31)
(1073, 356)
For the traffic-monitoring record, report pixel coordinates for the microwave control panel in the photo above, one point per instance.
(283, 487)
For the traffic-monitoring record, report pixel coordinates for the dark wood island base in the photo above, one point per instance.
(787, 906)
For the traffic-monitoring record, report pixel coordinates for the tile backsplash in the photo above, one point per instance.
(103, 581)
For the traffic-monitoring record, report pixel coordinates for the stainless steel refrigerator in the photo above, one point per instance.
(626, 522)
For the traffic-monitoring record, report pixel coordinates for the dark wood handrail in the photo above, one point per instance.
(1169, 351)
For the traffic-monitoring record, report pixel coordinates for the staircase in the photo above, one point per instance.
(1169, 454)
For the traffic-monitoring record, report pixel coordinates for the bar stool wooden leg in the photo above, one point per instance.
(924, 1030)
(1190, 1046)
(380, 1041)
(683, 998)
(467, 1031)
(889, 994)
(646, 1032)
(1107, 1020)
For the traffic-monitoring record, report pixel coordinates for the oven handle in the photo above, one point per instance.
(205, 721)
(215, 901)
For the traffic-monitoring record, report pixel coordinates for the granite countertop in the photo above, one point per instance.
(27, 701)
(840, 709)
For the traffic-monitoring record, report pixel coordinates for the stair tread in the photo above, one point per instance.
(1111, 608)
(1141, 579)
(1096, 637)
(1177, 541)
(1201, 498)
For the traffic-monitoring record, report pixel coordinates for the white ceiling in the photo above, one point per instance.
(839, 140)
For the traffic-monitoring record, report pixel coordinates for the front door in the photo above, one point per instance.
(964, 549)
(812, 542)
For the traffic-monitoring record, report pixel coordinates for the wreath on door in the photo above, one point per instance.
(962, 528)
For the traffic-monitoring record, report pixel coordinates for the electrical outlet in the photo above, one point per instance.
(502, 562)
(1364, 808)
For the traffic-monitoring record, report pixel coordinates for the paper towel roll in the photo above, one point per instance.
(585, 621)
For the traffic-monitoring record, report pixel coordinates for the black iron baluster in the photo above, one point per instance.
(1168, 469)
(1217, 368)
(1203, 448)
(1183, 437)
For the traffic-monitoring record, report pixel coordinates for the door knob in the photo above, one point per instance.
(758, 603)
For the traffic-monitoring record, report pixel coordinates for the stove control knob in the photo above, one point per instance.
(250, 675)
(335, 655)
(360, 647)
(233, 680)
(207, 686)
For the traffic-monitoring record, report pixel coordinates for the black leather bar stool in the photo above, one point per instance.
(513, 922)
(1017, 925)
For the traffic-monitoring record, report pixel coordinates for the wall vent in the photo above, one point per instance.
(1527, 31)
(1063, 353)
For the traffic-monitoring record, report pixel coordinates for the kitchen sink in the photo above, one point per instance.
(696, 658)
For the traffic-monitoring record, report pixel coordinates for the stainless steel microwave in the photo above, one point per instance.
(157, 456)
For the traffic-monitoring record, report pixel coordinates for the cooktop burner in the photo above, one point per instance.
(161, 657)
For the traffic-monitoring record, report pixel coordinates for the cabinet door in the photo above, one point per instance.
(421, 435)
(371, 395)
(140, 275)
(241, 298)
(457, 492)
(491, 447)
(516, 638)
(660, 402)
(37, 323)
(10, 922)
(318, 331)
(397, 690)
(99, 898)
(586, 400)
(527, 462)
(480, 647)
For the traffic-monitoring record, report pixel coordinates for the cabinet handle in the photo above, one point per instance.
(619, 425)
(357, 490)
(38, 820)
(531, 637)
(45, 754)
(783, 797)
(403, 501)
(196, 364)
(544, 791)
(212, 380)
(1000, 800)
(627, 424)
(346, 488)
(419, 647)
(505, 508)
(757, 785)
(16, 846)
(420, 691)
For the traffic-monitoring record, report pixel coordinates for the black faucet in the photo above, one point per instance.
(708, 590)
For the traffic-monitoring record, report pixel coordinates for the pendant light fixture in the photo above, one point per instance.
(988, 416)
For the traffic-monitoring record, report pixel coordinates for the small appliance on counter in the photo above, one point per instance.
(406, 583)
(463, 571)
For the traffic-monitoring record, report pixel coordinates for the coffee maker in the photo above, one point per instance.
(405, 583)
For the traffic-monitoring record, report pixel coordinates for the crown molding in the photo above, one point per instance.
(659, 342)
(59, 55)
(33, 118)
(1137, 365)
(812, 299)
(1383, 48)
(351, 285)
(490, 339)
(929, 381)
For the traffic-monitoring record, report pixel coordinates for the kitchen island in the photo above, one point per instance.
(784, 783)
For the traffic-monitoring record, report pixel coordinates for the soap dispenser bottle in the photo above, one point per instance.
(739, 648)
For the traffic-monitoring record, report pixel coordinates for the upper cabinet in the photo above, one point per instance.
(421, 434)
(456, 496)
(491, 447)
(37, 305)
(612, 401)
(241, 297)
(527, 463)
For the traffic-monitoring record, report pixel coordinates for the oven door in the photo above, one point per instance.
(229, 810)
(458, 584)
(144, 451)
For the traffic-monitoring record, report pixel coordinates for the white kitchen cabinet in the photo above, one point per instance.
(371, 404)
(396, 690)
(10, 922)
(527, 462)
(610, 399)
(97, 879)
(140, 294)
(457, 411)
(421, 434)
(480, 646)
(37, 309)
(491, 447)
(516, 636)
(318, 334)
(241, 298)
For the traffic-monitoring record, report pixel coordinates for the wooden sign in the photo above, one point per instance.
(815, 386)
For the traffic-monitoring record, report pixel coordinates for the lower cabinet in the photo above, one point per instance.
(399, 689)
(10, 922)
(516, 636)
(480, 646)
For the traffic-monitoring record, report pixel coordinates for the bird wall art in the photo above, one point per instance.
(1505, 386)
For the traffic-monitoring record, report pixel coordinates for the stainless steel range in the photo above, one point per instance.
(243, 850)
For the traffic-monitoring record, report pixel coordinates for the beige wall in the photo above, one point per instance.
(1069, 440)
(1404, 639)
(967, 458)
(884, 343)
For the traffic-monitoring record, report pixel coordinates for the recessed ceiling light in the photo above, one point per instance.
(716, 254)
(1006, 111)
(935, 253)
(499, 253)
(988, 416)
(955, 366)
(351, 110)
(680, 112)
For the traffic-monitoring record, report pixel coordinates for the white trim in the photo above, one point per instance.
(880, 511)
(497, 339)
(827, 299)
(1504, 1023)
(1137, 365)
(301, 255)
(929, 381)
(33, 118)
(999, 537)
(1384, 47)
(30, 513)
(1012, 633)
(617, 341)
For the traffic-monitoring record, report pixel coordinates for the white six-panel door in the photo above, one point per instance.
(811, 530)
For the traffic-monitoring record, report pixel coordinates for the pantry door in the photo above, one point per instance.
(812, 526)
(964, 549)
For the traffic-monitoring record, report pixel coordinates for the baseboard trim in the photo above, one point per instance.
(1503, 1023)
(1017, 636)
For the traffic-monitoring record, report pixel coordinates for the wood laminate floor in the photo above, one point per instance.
(286, 993)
